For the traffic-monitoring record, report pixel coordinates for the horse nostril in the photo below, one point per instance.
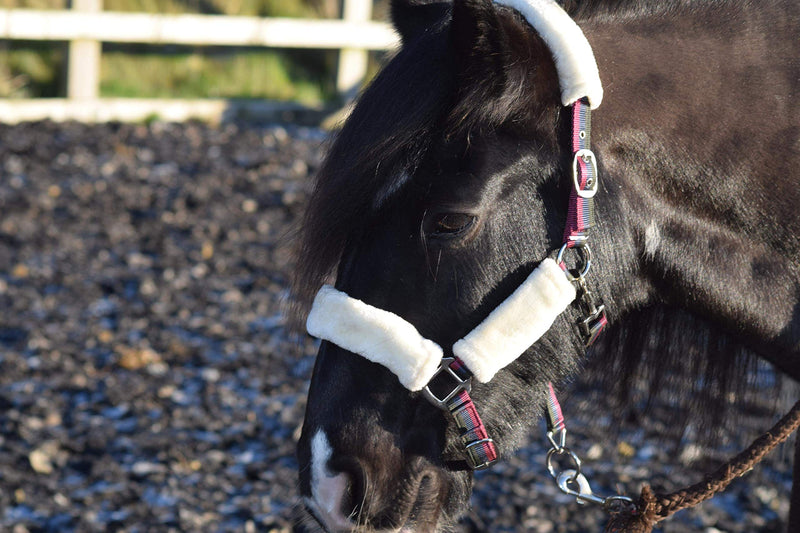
(416, 502)
(427, 500)
(353, 499)
(413, 498)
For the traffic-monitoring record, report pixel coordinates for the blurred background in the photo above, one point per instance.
(173, 49)
(155, 156)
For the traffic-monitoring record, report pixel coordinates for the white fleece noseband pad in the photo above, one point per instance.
(378, 335)
(385, 338)
(577, 69)
(516, 323)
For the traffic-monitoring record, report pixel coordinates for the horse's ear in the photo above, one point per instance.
(501, 60)
(413, 17)
(478, 42)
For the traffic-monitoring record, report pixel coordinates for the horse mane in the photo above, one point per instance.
(383, 140)
(663, 354)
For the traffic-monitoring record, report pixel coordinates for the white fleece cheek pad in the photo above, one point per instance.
(516, 323)
(573, 56)
(375, 334)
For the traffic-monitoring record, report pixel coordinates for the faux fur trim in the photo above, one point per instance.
(516, 323)
(573, 56)
(378, 335)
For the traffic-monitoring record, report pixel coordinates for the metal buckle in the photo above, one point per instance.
(591, 184)
(473, 457)
(461, 384)
(590, 324)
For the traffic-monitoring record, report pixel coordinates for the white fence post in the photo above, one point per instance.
(353, 62)
(83, 59)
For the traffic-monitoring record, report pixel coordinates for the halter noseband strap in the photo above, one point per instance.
(385, 338)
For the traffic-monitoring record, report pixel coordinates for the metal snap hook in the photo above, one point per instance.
(584, 493)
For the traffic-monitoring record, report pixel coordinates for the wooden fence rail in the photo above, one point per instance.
(86, 26)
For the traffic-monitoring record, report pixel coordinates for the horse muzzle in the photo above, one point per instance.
(379, 490)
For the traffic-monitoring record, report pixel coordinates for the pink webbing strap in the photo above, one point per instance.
(580, 214)
(555, 418)
(481, 451)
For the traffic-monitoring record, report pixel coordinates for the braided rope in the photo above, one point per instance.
(652, 508)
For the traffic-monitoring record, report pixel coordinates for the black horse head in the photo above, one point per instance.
(445, 189)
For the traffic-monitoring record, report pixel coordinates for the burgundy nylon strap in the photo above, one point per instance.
(580, 214)
(555, 418)
(481, 451)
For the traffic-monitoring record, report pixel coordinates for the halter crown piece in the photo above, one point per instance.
(519, 321)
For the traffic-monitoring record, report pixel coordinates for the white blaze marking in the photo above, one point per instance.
(652, 239)
(327, 489)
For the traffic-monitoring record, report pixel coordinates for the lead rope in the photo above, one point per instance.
(652, 508)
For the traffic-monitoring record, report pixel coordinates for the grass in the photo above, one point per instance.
(29, 70)
(301, 76)
(34, 70)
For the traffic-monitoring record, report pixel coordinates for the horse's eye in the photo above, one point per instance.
(452, 223)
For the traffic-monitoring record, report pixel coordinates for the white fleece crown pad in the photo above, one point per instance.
(385, 338)
(577, 69)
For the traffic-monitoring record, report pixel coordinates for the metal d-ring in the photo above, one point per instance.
(563, 451)
(586, 258)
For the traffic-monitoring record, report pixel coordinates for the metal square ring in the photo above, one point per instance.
(460, 384)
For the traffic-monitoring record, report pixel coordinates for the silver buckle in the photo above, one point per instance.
(461, 384)
(473, 457)
(589, 324)
(589, 158)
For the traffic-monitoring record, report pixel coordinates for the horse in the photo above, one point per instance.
(450, 184)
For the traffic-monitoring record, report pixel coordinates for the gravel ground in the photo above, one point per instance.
(148, 383)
